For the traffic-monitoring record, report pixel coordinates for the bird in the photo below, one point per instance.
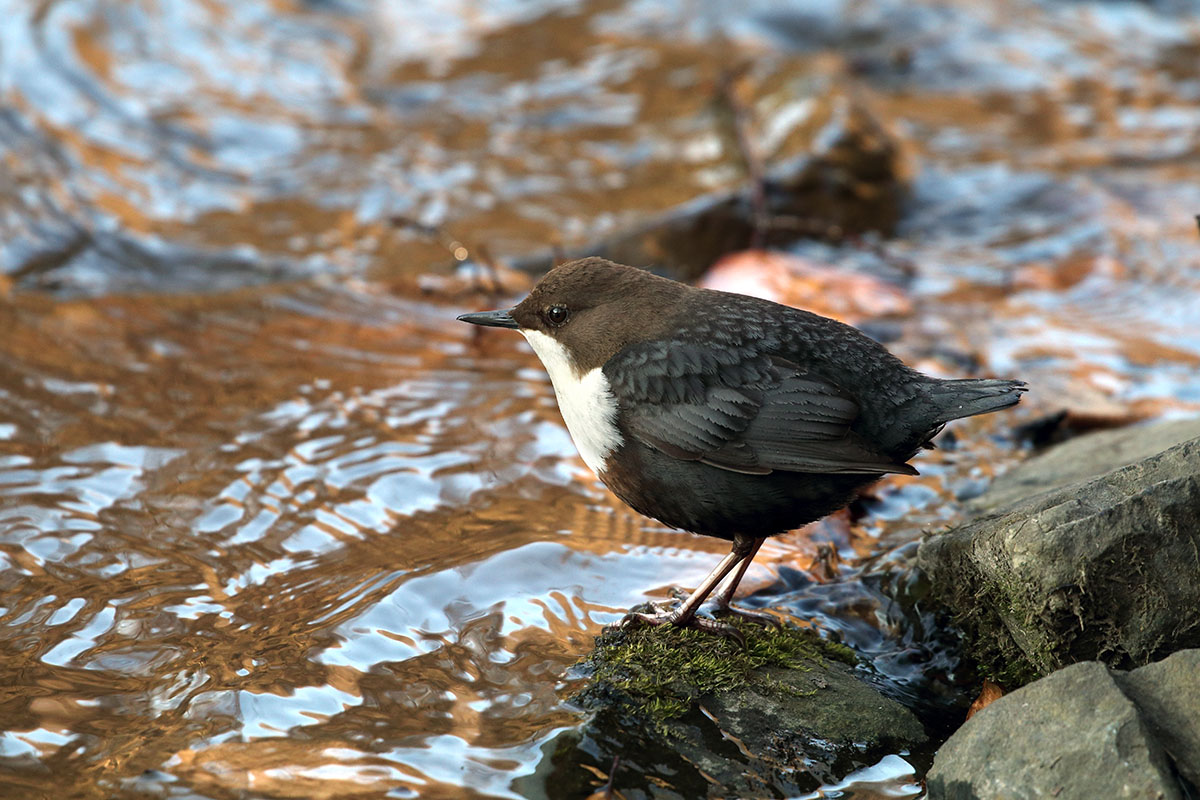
(727, 415)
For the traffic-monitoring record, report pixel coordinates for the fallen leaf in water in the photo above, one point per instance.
(798, 282)
(606, 791)
(989, 694)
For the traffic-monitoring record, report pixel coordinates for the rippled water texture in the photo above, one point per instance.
(272, 524)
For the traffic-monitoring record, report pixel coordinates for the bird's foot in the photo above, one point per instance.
(678, 620)
(761, 617)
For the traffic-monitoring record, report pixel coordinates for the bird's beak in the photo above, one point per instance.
(492, 319)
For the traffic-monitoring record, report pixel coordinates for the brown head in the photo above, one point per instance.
(592, 308)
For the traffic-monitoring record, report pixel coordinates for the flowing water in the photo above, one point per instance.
(273, 525)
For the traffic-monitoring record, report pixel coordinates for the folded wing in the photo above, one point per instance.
(740, 410)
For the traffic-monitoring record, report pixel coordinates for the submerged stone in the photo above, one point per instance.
(852, 179)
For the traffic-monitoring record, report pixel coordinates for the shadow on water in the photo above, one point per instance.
(272, 524)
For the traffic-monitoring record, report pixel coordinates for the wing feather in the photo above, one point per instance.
(755, 414)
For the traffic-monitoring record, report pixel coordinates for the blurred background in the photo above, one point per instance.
(272, 524)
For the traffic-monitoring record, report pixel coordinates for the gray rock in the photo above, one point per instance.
(1065, 567)
(1081, 458)
(1071, 736)
(1168, 695)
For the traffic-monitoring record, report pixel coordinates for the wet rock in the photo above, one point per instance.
(1089, 552)
(690, 715)
(1083, 732)
(853, 180)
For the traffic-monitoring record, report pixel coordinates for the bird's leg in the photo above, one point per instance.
(723, 597)
(685, 615)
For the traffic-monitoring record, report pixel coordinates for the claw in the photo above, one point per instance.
(675, 618)
(741, 553)
(762, 618)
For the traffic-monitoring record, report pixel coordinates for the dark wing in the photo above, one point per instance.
(739, 410)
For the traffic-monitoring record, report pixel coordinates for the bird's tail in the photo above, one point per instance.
(966, 398)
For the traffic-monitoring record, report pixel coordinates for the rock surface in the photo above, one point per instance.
(782, 731)
(1090, 552)
(1168, 695)
(1081, 733)
(1082, 458)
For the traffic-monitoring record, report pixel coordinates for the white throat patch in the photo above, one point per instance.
(586, 401)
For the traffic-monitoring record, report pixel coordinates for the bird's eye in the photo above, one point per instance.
(557, 315)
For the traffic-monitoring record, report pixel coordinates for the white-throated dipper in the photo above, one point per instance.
(723, 414)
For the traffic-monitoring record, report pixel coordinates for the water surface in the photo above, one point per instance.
(272, 524)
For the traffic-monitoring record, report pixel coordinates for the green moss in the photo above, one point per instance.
(659, 672)
(1013, 675)
(839, 652)
(995, 652)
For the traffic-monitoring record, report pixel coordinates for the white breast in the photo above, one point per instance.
(586, 401)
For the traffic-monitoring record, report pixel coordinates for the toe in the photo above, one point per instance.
(759, 617)
(719, 628)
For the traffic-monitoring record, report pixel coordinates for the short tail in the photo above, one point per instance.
(966, 398)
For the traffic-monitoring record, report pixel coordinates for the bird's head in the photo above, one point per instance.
(583, 312)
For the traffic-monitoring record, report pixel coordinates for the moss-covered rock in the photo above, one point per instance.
(1090, 552)
(661, 672)
(689, 714)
